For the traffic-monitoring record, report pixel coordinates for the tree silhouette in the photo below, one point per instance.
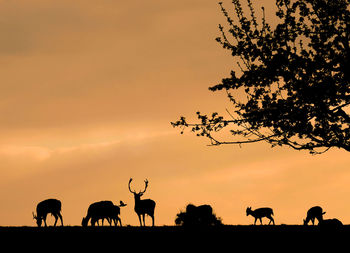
(291, 86)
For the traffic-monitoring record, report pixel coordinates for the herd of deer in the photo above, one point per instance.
(313, 213)
(99, 210)
(107, 210)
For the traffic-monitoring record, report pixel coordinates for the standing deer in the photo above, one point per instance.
(260, 213)
(143, 206)
(45, 207)
(115, 215)
(312, 213)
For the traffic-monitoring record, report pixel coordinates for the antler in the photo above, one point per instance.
(146, 185)
(129, 186)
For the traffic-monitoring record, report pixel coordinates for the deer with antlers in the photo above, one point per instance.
(143, 206)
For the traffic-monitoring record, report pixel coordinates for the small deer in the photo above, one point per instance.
(260, 213)
(45, 207)
(143, 206)
(115, 215)
(312, 213)
(103, 210)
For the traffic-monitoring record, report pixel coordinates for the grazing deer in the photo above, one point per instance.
(103, 210)
(45, 207)
(330, 224)
(260, 213)
(197, 216)
(312, 213)
(143, 206)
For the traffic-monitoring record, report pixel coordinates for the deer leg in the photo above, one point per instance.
(44, 218)
(109, 221)
(255, 221)
(56, 218)
(152, 220)
(260, 221)
(143, 218)
(120, 221)
(59, 215)
(319, 218)
(140, 219)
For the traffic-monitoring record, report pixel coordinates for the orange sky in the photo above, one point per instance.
(87, 93)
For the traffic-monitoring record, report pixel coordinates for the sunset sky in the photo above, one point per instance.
(88, 90)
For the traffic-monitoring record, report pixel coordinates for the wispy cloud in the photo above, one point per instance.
(42, 153)
(20, 152)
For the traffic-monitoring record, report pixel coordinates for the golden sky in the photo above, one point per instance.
(87, 93)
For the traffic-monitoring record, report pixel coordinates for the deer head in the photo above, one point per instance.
(140, 193)
(38, 219)
(249, 210)
(121, 204)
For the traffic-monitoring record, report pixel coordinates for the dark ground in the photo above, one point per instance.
(279, 238)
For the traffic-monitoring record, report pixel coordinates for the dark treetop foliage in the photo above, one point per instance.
(292, 82)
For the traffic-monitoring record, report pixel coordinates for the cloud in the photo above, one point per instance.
(34, 152)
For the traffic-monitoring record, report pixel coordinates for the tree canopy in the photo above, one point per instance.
(291, 86)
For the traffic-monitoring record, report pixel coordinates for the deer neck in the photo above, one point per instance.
(137, 200)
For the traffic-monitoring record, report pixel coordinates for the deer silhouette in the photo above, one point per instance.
(103, 210)
(313, 213)
(259, 213)
(197, 216)
(143, 206)
(45, 207)
(330, 223)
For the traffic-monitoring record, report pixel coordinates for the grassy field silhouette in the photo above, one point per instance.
(278, 238)
(252, 231)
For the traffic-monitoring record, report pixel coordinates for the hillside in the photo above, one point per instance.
(251, 237)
